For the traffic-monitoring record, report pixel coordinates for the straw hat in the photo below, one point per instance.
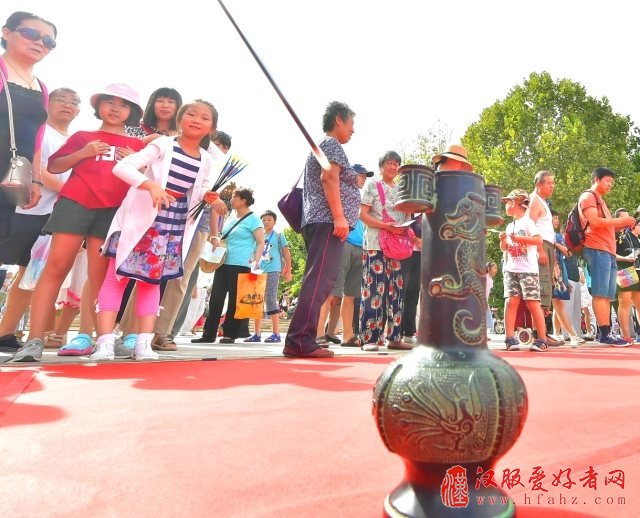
(455, 152)
(121, 90)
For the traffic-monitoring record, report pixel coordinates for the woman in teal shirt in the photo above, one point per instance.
(243, 233)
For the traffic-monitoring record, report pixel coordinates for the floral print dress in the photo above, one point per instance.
(158, 255)
(382, 295)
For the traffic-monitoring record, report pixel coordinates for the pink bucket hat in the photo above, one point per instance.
(121, 90)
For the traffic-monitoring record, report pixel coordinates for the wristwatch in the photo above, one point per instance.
(38, 182)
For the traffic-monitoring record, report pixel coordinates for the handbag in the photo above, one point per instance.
(213, 258)
(290, 206)
(393, 246)
(627, 277)
(15, 183)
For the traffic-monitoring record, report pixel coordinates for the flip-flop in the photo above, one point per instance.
(81, 345)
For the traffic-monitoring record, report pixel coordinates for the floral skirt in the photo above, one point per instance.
(382, 300)
(157, 256)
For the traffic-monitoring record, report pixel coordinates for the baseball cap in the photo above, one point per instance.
(360, 169)
(520, 196)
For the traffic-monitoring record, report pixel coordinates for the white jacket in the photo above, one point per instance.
(136, 214)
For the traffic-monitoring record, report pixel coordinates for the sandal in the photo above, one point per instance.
(352, 342)
(322, 341)
(164, 343)
(53, 340)
(273, 339)
(81, 345)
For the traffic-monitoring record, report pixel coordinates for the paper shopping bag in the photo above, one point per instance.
(250, 296)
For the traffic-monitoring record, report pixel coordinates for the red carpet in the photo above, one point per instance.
(267, 438)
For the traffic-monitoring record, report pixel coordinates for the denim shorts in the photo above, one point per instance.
(602, 268)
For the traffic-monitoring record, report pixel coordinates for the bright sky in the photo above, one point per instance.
(402, 66)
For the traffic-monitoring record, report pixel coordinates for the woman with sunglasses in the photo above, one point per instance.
(26, 39)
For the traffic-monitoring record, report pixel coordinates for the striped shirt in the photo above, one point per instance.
(183, 170)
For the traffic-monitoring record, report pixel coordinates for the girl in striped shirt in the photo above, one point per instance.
(151, 232)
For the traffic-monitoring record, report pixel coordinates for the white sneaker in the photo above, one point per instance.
(103, 351)
(576, 340)
(370, 347)
(143, 351)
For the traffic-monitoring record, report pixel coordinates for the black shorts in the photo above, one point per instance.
(69, 217)
(25, 229)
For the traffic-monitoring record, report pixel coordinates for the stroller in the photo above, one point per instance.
(524, 324)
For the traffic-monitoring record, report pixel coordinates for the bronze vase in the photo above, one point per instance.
(450, 408)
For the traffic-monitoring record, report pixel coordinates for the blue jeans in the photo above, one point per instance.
(602, 268)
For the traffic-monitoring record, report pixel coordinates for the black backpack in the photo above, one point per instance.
(574, 233)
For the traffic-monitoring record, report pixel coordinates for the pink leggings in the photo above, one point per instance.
(110, 296)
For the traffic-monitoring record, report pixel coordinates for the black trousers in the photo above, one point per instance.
(411, 274)
(225, 282)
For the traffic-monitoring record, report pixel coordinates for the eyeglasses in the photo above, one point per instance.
(34, 35)
(64, 100)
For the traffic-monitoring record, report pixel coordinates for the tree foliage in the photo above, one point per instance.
(434, 141)
(557, 126)
(298, 261)
(546, 124)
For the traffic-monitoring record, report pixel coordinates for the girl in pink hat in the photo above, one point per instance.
(85, 208)
(151, 232)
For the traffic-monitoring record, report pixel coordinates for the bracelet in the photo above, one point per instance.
(38, 182)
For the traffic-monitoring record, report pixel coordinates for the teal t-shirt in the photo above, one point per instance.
(272, 260)
(241, 244)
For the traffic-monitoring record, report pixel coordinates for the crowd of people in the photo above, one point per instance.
(541, 270)
(111, 211)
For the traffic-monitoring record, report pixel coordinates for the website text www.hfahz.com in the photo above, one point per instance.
(543, 499)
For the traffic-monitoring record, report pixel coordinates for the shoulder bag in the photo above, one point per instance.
(393, 246)
(15, 182)
(290, 206)
(213, 258)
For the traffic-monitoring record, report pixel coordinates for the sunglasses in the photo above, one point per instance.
(34, 35)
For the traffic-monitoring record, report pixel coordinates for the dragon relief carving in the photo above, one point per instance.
(466, 225)
(448, 419)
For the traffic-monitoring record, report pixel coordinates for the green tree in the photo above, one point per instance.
(434, 141)
(298, 261)
(557, 126)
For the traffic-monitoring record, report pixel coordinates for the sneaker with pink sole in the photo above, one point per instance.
(81, 345)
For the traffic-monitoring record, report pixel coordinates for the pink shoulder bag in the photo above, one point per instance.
(394, 246)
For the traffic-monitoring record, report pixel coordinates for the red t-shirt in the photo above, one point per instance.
(92, 183)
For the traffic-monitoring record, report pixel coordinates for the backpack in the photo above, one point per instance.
(574, 234)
